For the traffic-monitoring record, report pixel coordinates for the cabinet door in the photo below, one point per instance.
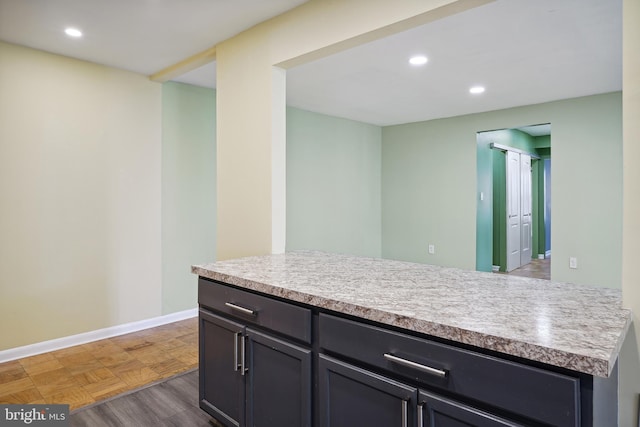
(222, 383)
(437, 411)
(351, 396)
(279, 382)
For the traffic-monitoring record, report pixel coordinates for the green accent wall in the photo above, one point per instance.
(333, 184)
(188, 190)
(499, 204)
(486, 193)
(537, 187)
(543, 141)
(430, 186)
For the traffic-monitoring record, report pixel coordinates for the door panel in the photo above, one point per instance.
(438, 411)
(222, 394)
(279, 388)
(526, 203)
(351, 396)
(514, 231)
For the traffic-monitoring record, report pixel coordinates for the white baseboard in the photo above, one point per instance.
(100, 334)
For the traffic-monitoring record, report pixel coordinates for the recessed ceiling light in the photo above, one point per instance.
(418, 60)
(476, 89)
(73, 32)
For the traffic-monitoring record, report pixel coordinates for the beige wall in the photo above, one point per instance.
(79, 196)
(630, 357)
(250, 104)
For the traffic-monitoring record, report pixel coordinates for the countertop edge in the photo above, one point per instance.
(601, 367)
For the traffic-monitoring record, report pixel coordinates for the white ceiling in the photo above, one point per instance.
(144, 36)
(523, 51)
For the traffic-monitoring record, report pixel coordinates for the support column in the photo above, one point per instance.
(251, 107)
(630, 356)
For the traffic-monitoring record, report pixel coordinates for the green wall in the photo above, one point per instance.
(430, 187)
(361, 189)
(537, 187)
(429, 193)
(543, 141)
(333, 184)
(542, 230)
(484, 218)
(188, 190)
(499, 217)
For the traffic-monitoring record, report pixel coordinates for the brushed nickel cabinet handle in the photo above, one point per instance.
(405, 414)
(243, 368)
(420, 416)
(408, 363)
(236, 364)
(241, 309)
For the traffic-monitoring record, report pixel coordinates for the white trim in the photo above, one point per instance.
(99, 334)
(515, 150)
(547, 254)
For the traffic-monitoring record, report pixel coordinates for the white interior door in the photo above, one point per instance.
(526, 208)
(514, 232)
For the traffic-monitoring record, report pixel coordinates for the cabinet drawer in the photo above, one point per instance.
(541, 395)
(287, 319)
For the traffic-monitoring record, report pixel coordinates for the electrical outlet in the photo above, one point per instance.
(432, 249)
(573, 262)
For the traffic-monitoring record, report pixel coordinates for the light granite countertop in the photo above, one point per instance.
(571, 326)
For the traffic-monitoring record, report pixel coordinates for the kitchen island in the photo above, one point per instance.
(424, 344)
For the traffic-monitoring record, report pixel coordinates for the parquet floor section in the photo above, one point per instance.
(91, 372)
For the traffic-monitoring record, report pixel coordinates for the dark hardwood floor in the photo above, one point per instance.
(172, 402)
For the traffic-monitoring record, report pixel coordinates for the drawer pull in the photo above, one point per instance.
(405, 414)
(241, 309)
(408, 363)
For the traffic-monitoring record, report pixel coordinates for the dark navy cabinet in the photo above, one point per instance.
(250, 375)
(546, 397)
(352, 396)
(268, 362)
(222, 385)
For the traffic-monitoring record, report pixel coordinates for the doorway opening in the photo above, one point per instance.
(514, 201)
